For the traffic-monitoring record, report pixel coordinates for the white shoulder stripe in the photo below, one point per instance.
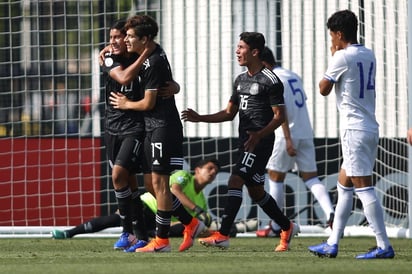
(270, 75)
(242, 72)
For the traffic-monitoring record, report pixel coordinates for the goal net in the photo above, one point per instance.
(54, 171)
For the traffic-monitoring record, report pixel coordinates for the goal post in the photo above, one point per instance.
(54, 171)
(410, 114)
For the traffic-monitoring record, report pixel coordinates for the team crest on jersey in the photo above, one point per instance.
(254, 89)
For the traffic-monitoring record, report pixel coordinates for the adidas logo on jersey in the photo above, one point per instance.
(155, 163)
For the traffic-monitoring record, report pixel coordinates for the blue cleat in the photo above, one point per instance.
(59, 234)
(324, 250)
(139, 244)
(125, 241)
(377, 253)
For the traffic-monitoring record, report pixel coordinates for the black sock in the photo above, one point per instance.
(163, 223)
(95, 225)
(139, 223)
(270, 207)
(176, 230)
(234, 200)
(124, 198)
(180, 212)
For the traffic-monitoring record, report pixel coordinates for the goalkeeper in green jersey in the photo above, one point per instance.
(187, 187)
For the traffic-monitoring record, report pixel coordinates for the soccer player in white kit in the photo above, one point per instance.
(293, 145)
(352, 71)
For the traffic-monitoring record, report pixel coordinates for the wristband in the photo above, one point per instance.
(198, 210)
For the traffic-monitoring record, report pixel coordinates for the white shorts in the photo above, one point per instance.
(359, 150)
(305, 158)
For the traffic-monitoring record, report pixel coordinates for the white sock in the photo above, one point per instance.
(321, 195)
(277, 192)
(342, 213)
(374, 214)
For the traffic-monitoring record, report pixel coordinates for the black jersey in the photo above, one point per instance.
(154, 74)
(122, 122)
(255, 96)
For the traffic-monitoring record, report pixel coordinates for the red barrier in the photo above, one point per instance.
(49, 182)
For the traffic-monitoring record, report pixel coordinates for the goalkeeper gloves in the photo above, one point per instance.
(202, 215)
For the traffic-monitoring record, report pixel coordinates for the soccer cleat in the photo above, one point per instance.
(286, 237)
(59, 234)
(377, 253)
(156, 245)
(139, 244)
(268, 231)
(216, 240)
(191, 231)
(125, 241)
(324, 250)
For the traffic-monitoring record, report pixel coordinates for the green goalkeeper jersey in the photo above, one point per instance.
(187, 183)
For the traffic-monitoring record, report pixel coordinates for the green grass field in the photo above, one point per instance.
(245, 255)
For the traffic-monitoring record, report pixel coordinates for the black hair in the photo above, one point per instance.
(119, 24)
(255, 40)
(143, 25)
(204, 161)
(267, 56)
(346, 22)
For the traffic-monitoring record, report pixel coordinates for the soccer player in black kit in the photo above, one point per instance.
(124, 137)
(164, 133)
(258, 98)
(124, 133)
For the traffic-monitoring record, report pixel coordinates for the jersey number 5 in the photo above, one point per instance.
(297, 92)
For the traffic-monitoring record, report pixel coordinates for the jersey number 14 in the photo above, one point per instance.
(370, 86)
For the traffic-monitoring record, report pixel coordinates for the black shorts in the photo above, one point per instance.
(125, 151)
(163, 149)
(251, 166)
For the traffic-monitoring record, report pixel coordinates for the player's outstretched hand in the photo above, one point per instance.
(190, 115)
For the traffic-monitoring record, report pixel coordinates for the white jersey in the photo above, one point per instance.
(295, 102)
(353, 71)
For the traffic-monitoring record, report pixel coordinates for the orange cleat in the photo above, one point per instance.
(156, 245)
(191, 231)
(216, 240)
(286, 237)
(268, 231)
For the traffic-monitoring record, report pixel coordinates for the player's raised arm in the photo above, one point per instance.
(125, 76)
(228, 114)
